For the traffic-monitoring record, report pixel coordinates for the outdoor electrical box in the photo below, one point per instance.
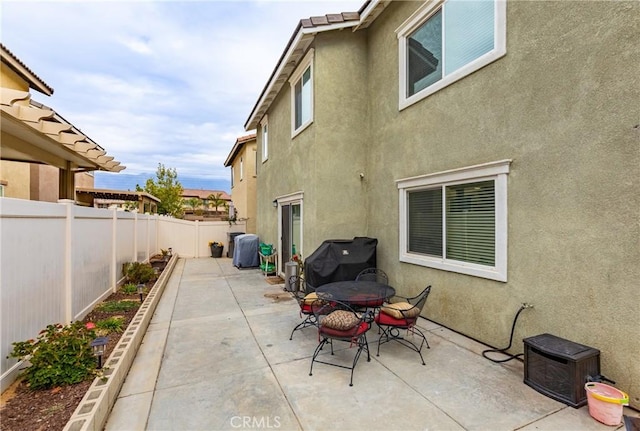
(559, 368)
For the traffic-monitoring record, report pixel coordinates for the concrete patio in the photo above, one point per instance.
(217, 356)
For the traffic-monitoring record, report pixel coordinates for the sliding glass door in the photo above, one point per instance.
(290, 229)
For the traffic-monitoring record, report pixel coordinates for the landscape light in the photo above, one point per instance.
(98, 346)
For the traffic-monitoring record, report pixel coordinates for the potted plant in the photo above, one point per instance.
(216, 248)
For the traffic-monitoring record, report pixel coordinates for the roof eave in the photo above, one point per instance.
(293, 53)
(15, 64)
(35, 133)
(236, 148)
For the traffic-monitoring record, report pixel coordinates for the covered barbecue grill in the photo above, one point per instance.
(339, 260)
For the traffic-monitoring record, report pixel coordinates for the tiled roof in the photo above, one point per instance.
(13, 62)
(299, 44)
(236, 147)
(246, 138)
(204, 194)
(328, 19)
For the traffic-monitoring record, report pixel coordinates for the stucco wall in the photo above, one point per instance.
(17, 177)
(325, 168)
(12, 80)
(243, 192)
(563, 104)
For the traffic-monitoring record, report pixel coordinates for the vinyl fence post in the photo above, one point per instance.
(68, 261)
(114, 254)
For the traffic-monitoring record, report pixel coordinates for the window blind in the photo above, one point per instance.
(470, 222)
(425, 222)
(468, 31)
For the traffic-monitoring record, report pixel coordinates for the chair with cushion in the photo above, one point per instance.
(339, 322)
(402, 314)
(304, 301)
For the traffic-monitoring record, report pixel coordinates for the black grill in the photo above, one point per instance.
(339, 260)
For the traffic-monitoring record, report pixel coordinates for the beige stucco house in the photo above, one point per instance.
(243, 159)
(493, 150)
(44, 157)
(205, 208)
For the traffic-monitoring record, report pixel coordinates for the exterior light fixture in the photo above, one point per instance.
(170, 251)
(140, 290)
(275, 203)
(98, 346)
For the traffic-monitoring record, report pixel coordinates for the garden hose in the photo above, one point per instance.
(503, 351)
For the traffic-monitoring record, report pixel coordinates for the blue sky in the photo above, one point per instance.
(169, 82)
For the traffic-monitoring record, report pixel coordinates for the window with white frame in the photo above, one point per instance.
(302, 95)
(264, 124)
(446, 40)
(241, 168)
(457, 220)
(232, 175)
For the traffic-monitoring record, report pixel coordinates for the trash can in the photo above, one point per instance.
(290, 269)
(231, 240)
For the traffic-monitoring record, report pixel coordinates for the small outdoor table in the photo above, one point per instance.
(358, 293)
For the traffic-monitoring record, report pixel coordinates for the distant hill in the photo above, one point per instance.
(105, 180)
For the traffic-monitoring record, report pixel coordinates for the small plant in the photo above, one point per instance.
(137, 272)
(110, 325)
(61, 355)
(215, 244)
(129, 289)
(117, 306)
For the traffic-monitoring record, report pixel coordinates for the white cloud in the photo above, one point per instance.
(157, 81)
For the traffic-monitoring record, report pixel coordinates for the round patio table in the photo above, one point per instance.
(357, 293)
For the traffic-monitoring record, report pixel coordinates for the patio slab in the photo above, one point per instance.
(217, 356)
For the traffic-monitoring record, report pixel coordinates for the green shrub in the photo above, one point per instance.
(61, 355)
(117, 306)
(137, 272)
(110, 325)
(129, 289)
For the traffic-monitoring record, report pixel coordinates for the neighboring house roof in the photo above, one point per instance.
(237, 147)
(204, 194)
(35, 133)
(298, 45)
(121, 195)
(15, 64)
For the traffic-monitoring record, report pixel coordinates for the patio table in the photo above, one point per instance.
(360, 293)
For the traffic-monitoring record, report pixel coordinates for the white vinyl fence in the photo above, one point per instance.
(58, 260)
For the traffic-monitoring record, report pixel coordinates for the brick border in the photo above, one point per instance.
(94, 408)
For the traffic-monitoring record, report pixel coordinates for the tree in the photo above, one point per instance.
(216, 200)
(193, 203)
(168, 189)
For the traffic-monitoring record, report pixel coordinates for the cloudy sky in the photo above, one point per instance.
(169, 82)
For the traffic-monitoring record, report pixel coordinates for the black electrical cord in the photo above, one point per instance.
(504, 350)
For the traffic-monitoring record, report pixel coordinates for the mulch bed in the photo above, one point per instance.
(24, 409)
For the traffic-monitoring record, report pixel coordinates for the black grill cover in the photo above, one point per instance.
(339, 260)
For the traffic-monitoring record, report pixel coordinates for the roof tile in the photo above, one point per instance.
(319, 20)
(335, 17)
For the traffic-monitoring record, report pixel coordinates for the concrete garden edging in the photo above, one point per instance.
(93, 410)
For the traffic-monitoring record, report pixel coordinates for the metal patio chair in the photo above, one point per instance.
(304, 301)
(402, 314)
(339, 322)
